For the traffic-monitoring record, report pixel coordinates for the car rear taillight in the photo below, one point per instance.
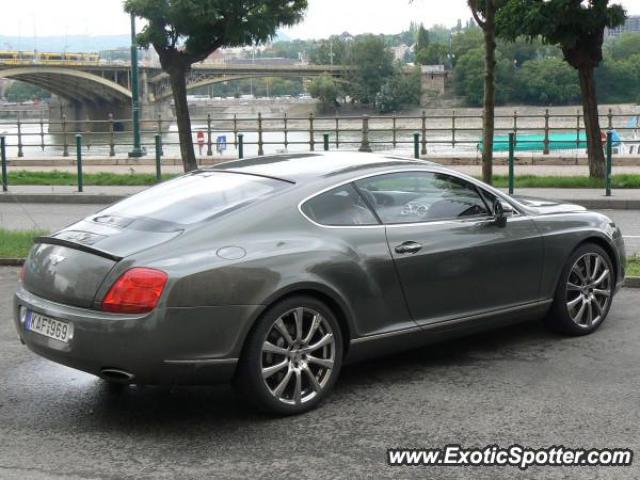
(136, 291)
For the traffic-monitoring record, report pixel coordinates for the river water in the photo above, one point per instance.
(37, 142)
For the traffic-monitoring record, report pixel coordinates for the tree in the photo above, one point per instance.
(624, 46)
(434, 54)
(470, 39)
(578, 28)
(184, 32)
(372, 65)
(329, 52)
(484, 13)
(439, 34)
(325, 89)
(469, 82)
(618, 80)
(399, 91)
(548, 81)
(21, 92)
(422, 38)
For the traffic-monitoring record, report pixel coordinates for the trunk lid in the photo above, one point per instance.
(69, 266)
(64, 274)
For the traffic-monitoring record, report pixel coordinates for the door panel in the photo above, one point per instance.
(451, 257)
(467, 266)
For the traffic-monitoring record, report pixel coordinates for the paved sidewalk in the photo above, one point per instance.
(623, 199)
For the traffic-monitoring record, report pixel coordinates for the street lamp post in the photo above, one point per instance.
(137, 151)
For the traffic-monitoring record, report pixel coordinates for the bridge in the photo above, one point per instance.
(94, 90)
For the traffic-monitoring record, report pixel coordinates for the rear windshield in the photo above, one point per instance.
(191, 199)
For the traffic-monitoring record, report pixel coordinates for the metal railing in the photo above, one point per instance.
(416, 145)
(440, 134)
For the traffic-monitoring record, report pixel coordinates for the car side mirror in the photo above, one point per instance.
(501, 211)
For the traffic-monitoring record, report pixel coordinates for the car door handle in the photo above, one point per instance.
(408, 247)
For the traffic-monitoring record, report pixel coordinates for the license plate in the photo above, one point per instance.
(49, 327)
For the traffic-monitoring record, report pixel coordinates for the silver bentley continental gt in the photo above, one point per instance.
(273, 272)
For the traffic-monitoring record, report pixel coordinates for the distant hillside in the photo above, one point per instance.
(72, 43)
(77, 43)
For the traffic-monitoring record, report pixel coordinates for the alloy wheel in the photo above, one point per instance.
(589, 289)
(298, 356)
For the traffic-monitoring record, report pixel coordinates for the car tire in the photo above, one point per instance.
(289, 366)
(584, 292)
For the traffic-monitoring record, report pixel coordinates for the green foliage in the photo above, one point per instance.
(531, 72)
(21, 92)
(469, 39)
(408, 37)
(399, 91)
(439, 34)
(577, 27)
(533, 181)
(184, 32)
(624, 46)
(619, 80)
(57, 177)
(17, 243)
(633, 266)
(433, 54)
(422, 38)
(373, 65)
(548, 81)
(469, 71)
(260, 87)
(558, 22)
(292, 49)
(188, 31)
(326, 89)
(333, 46)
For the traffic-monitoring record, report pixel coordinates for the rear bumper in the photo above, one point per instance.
(199, 345)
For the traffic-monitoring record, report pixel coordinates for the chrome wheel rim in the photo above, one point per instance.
(588, 290)
(298, 356)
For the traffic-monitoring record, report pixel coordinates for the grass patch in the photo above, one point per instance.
(633, 266)
(17, 243)
(533, 181)
(57, 177)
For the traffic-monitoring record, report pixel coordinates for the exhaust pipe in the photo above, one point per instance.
(117, 375)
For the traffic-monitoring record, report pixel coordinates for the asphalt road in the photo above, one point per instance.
(55, 216)
(516, 385)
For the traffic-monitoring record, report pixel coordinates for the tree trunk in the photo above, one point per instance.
(591, 121)
(489, 102)
(183, 119)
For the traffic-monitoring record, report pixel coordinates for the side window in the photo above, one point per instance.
(342, 206)
(414, 197)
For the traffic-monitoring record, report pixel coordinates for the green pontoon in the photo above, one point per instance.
(535, 142)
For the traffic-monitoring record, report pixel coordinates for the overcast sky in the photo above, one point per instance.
(29, 18)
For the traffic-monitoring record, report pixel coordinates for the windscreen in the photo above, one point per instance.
(191, 199)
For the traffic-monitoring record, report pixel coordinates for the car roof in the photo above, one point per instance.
(304, 167)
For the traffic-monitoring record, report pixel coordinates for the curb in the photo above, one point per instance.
(11, 262)
(629, 282)
(632, 282)
(604, 204)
